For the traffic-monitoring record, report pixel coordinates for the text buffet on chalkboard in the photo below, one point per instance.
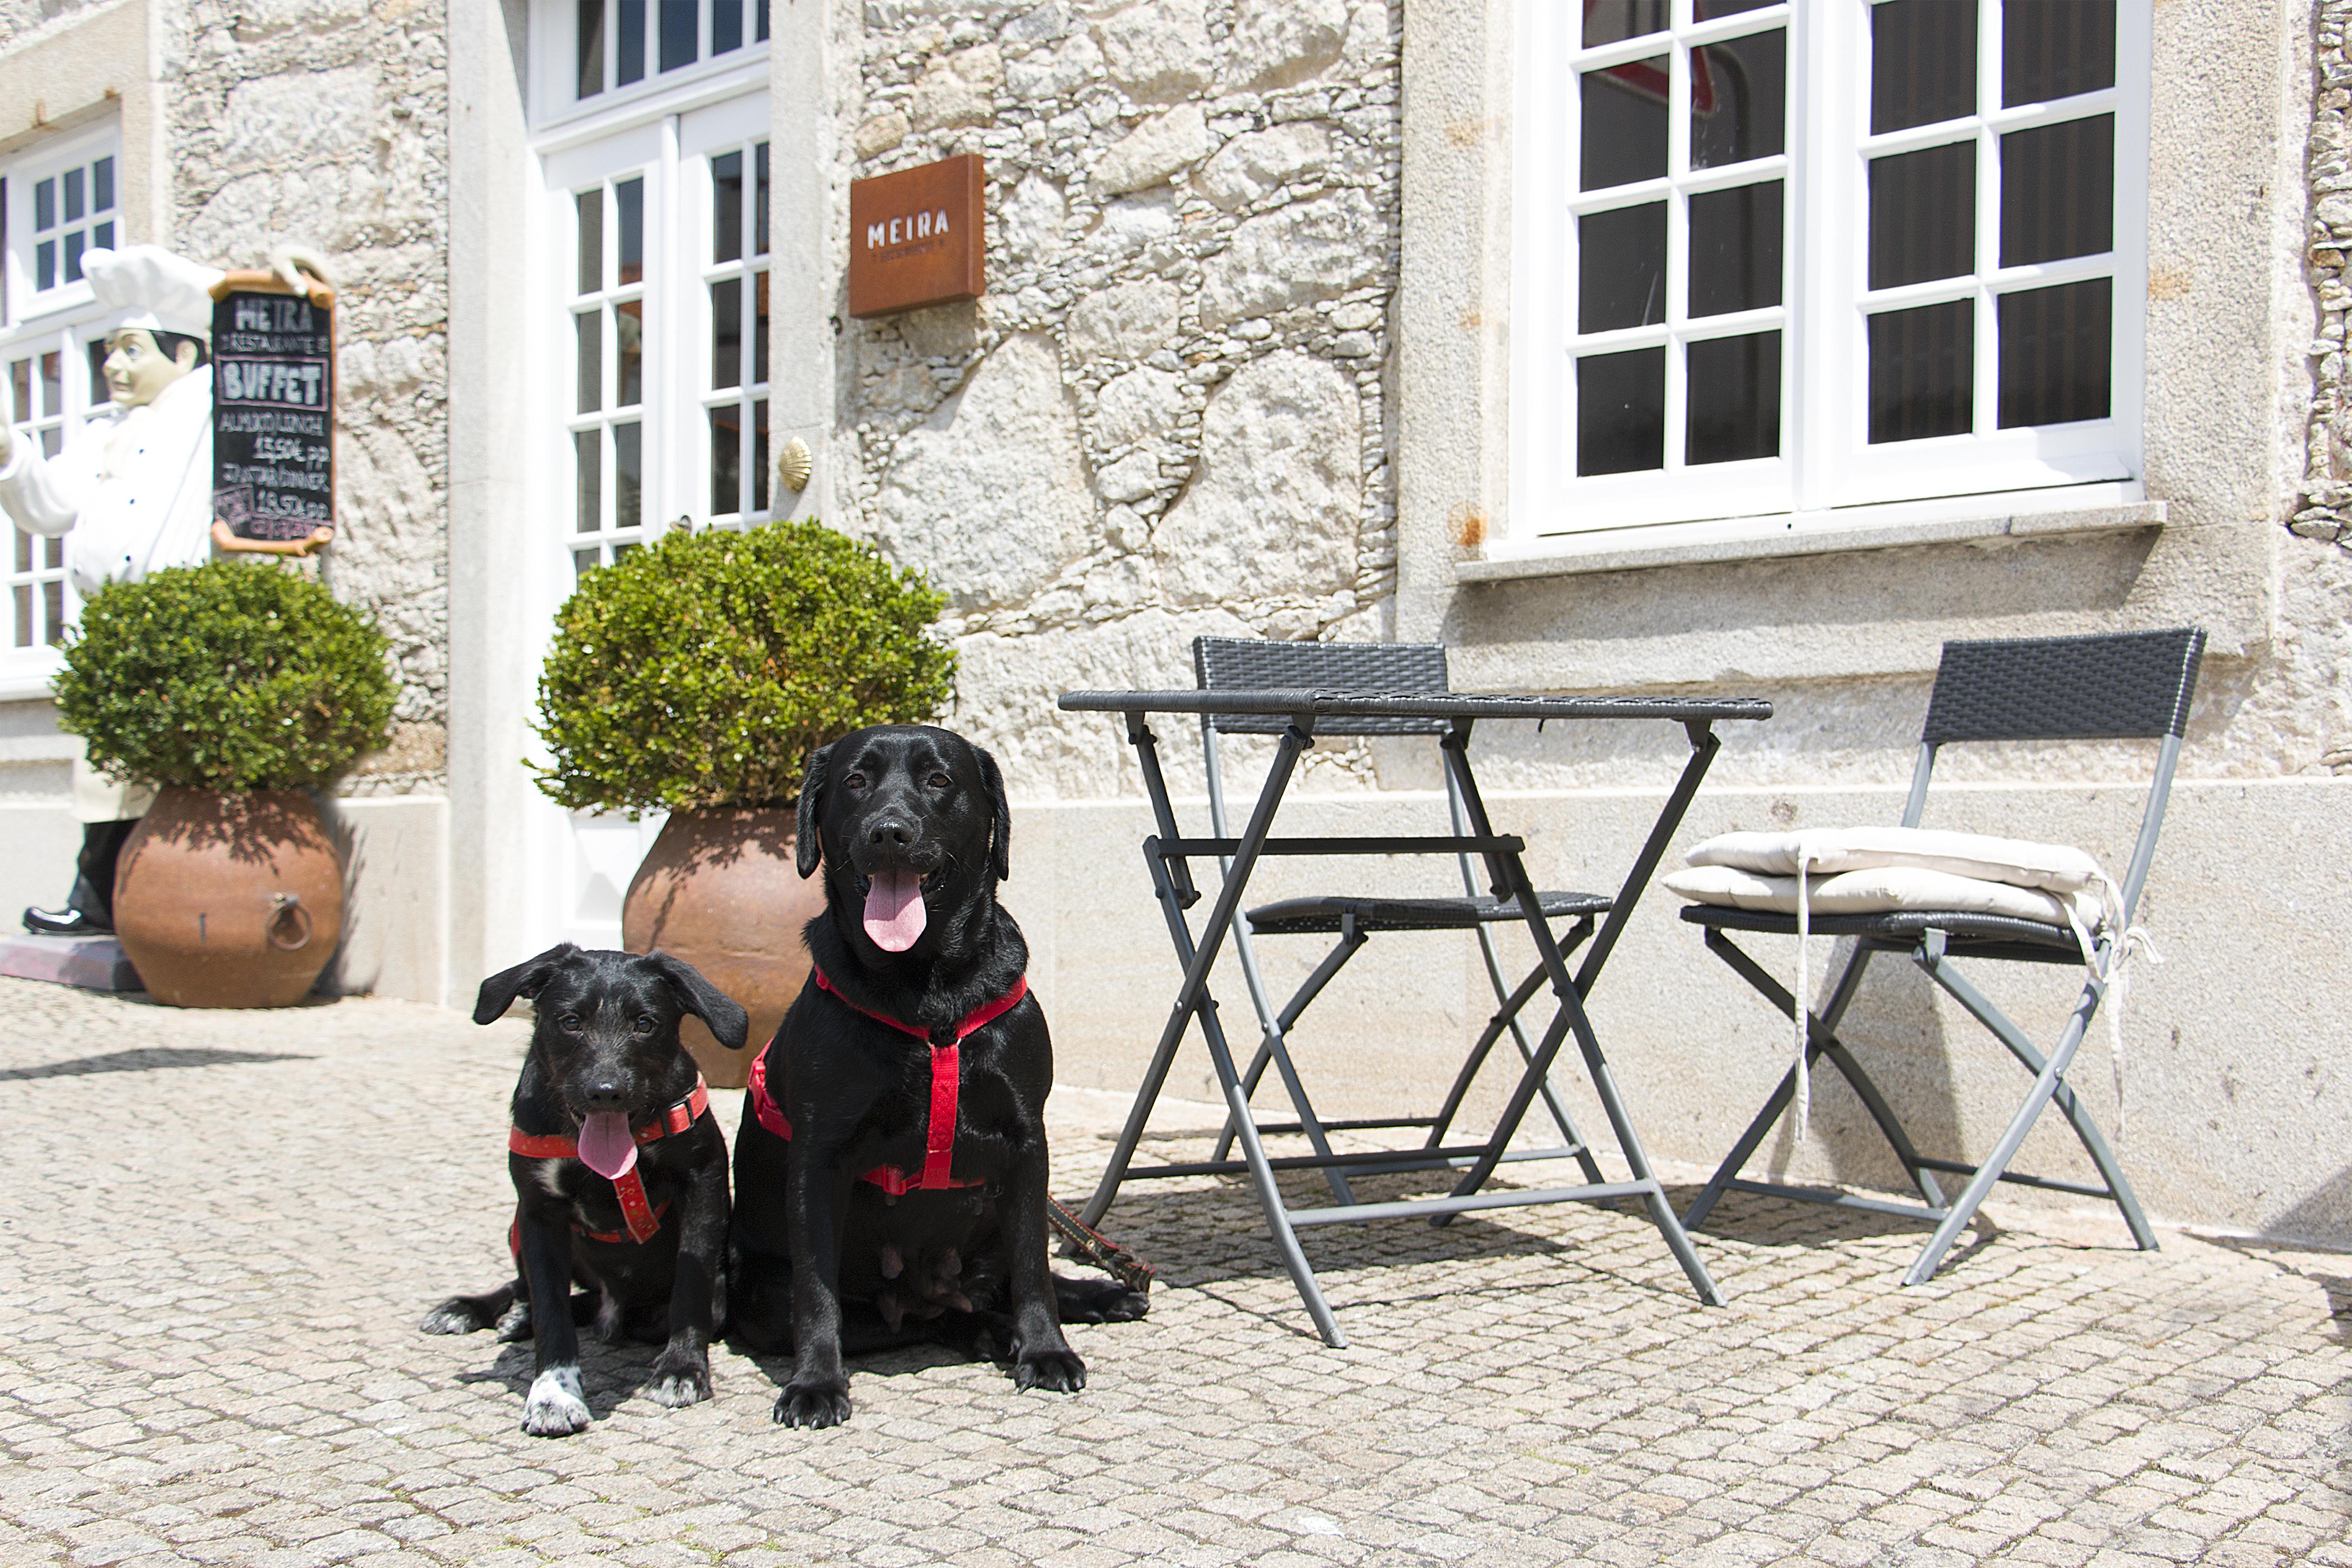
(273, 415)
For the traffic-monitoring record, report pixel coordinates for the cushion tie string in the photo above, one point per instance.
(1803, 1009)
(2110, 967)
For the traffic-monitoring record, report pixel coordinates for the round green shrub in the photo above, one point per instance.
(700, 670)
(226, 677)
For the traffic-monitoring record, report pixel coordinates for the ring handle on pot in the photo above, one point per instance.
(289, 924)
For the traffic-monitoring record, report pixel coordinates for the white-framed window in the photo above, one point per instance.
(1781, 257)
(602, 54)
(57, 200)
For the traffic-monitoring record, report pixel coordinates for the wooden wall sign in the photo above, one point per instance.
(915, 237)
(273, 413)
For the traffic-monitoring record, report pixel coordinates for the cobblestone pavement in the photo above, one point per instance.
(221, 1229)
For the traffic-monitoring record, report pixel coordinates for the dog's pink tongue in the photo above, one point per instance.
(894, 909)
(606, 1146)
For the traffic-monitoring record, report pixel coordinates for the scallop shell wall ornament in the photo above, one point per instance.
(793, 466)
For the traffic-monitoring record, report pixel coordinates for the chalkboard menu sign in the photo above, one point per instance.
(273, 415)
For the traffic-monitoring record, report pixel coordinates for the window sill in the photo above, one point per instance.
(1963, 519)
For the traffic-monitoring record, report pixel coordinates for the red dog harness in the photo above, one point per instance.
(938, 1137)
(644, 1219)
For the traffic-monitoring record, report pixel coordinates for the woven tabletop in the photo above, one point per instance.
(1415, 705)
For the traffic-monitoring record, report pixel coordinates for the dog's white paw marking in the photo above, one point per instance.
(677, 1389)
(555, 1408)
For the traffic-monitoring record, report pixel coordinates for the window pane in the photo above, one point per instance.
(54, 595)
(24, 550)
(74, 240)
(73, 195)
(1621, 267)
(762, 8)
(20, 387)
(727, 333)
(592, 241)
(1733, 396)
(591, 47)
(1739, 99)
(727, 206)
(1606, 21)
(1624, 125)
(45, 205)
(102, 185)
(726, 459)
(760, 331)
(726, 25)
(2058, 191)
(760, 455)
(631, 31)
(1735, 249)
(629, 202)
(760, 204)
(1620, 412)
(629, 353)
(2055, 353)
(1923, 63)
(45, 265)
(680, 20)
(1922, 372)
(101, 236)
(24, 614)
(627, 474)
(53, 553)
(583, 562)
(52, 439)
(2055, 48)
(53, 385)
(1923, 215)
(588, 493)
(587, 327)
(96, 349)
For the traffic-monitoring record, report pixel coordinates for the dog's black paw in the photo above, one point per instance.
(516, 1325)
(679, 1381)
(1060, 1371)
(455, 1316)
(814, 1405)
(1098, 1301)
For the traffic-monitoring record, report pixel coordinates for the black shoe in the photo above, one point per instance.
(63, 923)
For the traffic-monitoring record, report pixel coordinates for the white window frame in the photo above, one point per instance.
(555, 88)
(1826, 462)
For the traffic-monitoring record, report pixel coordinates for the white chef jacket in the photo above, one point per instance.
(132, 491)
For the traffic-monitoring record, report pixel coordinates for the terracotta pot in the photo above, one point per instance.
(719, 890)
(229, 900)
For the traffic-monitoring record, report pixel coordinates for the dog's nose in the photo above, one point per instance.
(890, 830)
(604, 1096)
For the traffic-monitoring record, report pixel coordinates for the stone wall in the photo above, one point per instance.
(1169, 412)
(2326, 509)
(324, 122)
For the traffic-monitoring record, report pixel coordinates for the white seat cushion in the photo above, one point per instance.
(1874, 891)
(1827, 851)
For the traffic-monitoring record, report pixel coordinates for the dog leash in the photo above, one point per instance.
(1100, 1250)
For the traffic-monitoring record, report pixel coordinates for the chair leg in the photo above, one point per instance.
(1275, 1048)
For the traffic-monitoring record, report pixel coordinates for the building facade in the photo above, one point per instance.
(1632, 345)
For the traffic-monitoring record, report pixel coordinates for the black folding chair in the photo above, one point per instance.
(2135, 685)
(1238, 663)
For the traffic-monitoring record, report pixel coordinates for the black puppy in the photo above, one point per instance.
(620, 1173)
(892, 1157)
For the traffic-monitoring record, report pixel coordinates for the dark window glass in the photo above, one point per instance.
(1621, 267)
(591, 361)
(761, 10)
(759, 202)
(52, 440)
(2055, 48)
(53, 386)
(2058, 191)
(20, 383)
(45, 265)
(591, 205)
(629, 204)
(24, 550)
(1923, 63)
(73, 195)
(727, 206)
(591, 47)
(1923, 215)
(102, 185)
(626, 474)
(1739, 99)
(96, 349)
(629, 353)
(726, 458)
(1923, 372)
(727, 333)
(588, 492)
(583, 562)
(1735, 249)
(1734, 399)
(1620, 412)
(760, 330)
(45, 205)
(24, 614)
(2055, 353)
(631, 30)
(1624, 124)
(101, 236)
(1606, 21)
(760, 455)
(74, 240)
(726, 25)
(680, 21)
(53, 599)
(53, 553)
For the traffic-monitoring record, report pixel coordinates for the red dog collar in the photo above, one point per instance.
(938, 1137)
(643, 1218)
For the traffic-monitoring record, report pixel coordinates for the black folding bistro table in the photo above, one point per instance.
(1168, 854)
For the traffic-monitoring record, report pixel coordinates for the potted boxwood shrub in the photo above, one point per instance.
(232, 688)
(694, 676)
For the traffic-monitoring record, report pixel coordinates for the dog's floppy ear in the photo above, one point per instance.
(805, 847)
(1000, 829)
(528, 978)
(728, 1020)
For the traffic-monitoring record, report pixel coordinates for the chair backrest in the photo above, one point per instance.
(2064, 689)
(1240, 663)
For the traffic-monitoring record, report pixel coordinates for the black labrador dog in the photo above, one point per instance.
(620, 1174)
(890, 1173)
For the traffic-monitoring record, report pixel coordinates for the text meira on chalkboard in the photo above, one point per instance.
(273, 415)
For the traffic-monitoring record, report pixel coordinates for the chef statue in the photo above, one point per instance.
(132, 492)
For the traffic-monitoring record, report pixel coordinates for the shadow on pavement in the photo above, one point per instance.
(148, 1059)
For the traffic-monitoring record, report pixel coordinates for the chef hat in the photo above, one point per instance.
(147, 285)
